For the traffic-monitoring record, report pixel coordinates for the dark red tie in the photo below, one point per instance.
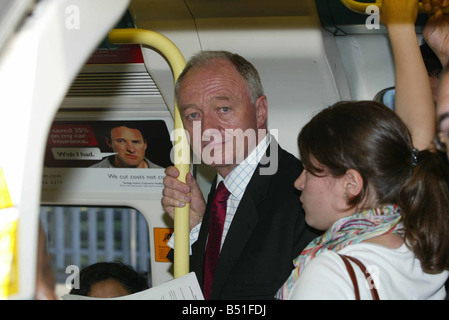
(217, 218)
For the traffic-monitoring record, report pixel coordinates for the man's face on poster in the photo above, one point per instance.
(130, 147)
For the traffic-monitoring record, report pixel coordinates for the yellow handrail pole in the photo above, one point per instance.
(182, 150)
(358, 6)
(361, 7)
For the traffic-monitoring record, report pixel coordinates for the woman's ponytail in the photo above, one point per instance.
(424, 200)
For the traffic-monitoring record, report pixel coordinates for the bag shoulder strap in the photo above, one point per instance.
(353, 277)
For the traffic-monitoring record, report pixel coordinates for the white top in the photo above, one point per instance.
(396, 273)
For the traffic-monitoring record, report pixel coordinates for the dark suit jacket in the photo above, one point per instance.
(268, 231)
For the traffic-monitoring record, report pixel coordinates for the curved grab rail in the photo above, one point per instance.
(358, 6)
(182, 149)
(361, 7)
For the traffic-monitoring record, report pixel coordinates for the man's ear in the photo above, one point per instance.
(353, 183)
(261, 112)
(108, 142)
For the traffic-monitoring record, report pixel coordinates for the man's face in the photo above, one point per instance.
(443, 109)
(214, 100)
(130, 147)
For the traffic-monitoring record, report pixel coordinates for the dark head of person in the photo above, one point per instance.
(104, 273)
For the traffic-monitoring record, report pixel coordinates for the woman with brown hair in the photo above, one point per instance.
(379, 200)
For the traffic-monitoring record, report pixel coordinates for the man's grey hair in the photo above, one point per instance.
(244, 67)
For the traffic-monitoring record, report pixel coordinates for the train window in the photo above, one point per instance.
(80, 236)
(387, 97)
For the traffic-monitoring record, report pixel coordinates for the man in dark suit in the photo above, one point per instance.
(220, 95)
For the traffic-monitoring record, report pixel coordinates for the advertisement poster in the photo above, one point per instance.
(107, 155)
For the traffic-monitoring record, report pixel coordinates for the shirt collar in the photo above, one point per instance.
(237, 180)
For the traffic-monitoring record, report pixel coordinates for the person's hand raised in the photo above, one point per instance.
(177, 194)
